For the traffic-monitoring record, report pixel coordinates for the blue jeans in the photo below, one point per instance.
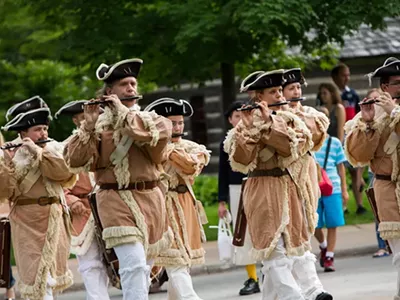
(12, 279)
(381, 243)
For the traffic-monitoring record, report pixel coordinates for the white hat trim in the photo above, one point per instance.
(21, 115)
(15, 106)
(171, 101)
(242, 86)
(68, 105)
(107, 74)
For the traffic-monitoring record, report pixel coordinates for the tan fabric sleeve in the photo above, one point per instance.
(395, 120)
(246, 142)
(361, 142)
(149, 130)
(182, 161)
(277, 136)
(8, 182)
(318, 124)
(53, 167)
(81, 151)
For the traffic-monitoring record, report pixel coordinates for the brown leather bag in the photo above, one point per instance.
(109, 257)
(241, 221)
(5, 254)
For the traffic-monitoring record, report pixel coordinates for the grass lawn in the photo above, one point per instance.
(351, 217)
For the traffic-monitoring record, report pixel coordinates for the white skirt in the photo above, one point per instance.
(241, 255)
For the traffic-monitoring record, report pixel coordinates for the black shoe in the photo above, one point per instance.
(324, 296)
(250, 287)
(361, 210)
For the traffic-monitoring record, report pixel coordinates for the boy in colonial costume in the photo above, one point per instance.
(183, 162)
(269, 146)
(373, 139)
(83, 242)
(318, 123)
(229, 184)
(39, 218)
(124, 148)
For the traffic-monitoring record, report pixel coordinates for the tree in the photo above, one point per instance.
(196, 40)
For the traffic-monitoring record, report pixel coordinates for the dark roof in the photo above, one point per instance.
(368, 42)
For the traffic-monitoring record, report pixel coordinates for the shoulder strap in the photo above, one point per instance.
(328, 148)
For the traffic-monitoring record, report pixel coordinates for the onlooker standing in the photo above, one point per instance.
(341, 76)
(330, 208)
(329, 97)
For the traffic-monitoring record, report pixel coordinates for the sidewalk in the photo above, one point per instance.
(353, 240)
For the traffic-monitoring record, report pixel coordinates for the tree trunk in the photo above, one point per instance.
(228, 87)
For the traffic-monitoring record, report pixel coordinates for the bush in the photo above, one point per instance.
(206, 189)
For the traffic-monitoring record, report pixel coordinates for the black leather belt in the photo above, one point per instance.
(383, 177)
(276, 172)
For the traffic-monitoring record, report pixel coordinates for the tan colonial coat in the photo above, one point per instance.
(367, 146)
(127, 216)
(40, 234)
(83, 224)
(185, 161)
(272, 205)
(318, 123)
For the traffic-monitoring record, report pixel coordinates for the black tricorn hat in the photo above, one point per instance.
(267, 80)
(171, 107)
(391, 67)
(25, 120)
(71, 108)
(234, 106)
(124, 68)
(292, 76)
(24, 106)
(249, 79)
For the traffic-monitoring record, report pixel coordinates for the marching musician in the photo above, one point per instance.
(318, 123)
(372, 139)
(184, 161)
(229, 183)
(125, 148)
(83, 241)
(266, 145)
(39, 219)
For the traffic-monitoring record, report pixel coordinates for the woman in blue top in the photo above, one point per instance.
(330, 208)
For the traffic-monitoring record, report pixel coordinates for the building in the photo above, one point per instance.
(362, 52)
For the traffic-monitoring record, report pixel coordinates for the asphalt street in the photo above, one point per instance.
(356, 278)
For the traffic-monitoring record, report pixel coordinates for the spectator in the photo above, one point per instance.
(350, 99)
(330, 208)
(341, 76)
(329, 96)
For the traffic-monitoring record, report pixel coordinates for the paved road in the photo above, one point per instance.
(357, 278)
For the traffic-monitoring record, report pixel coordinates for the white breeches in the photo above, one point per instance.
(180, 286)
(280, 271)
(93, 273)
(134, 271)
(242, 254)
(51, 282)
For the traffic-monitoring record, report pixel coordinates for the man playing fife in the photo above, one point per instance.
(124, 148)
(83, 243)
(268, 145)
(40, 219)
(374, 140)
(183, 163)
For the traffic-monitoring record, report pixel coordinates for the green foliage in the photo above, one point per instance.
(206, 189)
